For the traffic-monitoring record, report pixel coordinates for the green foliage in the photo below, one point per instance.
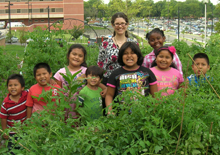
(76, 31)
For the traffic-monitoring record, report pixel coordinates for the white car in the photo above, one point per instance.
(13, 39)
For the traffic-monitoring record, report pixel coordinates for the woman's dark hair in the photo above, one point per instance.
(79, 47)
(135, 48)
(156, 30)
(157, 52)
(95, 71)
(17, 77)
(119, 15)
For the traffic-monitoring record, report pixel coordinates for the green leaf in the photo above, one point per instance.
(88, 148)
(158, 148)
(195, 152)
(142, 144)
(97, 151)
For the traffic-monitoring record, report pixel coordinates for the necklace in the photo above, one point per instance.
(119, 43)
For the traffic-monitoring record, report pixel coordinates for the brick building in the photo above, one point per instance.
(34, 13)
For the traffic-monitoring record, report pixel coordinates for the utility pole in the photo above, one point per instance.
(178, 24)
(9, 18)
(48, 17)
(28, 13)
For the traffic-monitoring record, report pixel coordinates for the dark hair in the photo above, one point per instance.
(79, 47)
(18, 77)
(156, 30)
(41, 65)
(201, 55)
(119, 15)
(135, 48)
(157, 52)
(95, 71)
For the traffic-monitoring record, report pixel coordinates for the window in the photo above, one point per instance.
(18, 10)
(53, 10)
(35, 20)
(6, 11)
(41, 10)
(41, 20)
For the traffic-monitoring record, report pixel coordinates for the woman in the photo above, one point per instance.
(108, 52)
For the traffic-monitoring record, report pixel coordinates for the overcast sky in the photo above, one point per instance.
(213, 1)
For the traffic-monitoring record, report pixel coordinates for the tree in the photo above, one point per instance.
(76, 31)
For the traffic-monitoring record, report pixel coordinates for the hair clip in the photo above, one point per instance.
(172, 49)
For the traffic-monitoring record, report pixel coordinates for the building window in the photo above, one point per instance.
(52, 20)
(18, 10)
(41, 10)
(42, 20)
(35, 20)
(53, 10)
(21, 20)
(6, 11)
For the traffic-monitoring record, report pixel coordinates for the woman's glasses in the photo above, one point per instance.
(118, 24)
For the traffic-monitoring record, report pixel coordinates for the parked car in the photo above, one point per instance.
(130, 28)
(13, 39)
(28, 40)
(92, 42)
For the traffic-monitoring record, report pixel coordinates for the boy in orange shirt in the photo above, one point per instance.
(42, 74)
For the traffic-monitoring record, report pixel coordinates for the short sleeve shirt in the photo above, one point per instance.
(141, 78)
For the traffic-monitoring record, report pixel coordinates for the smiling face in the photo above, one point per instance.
(130, 59)
(202, 65)
(76, 57)
(156, 40)
(164, 60)
(120, 26)
(43, 77)
(15, 88)
(93, 81)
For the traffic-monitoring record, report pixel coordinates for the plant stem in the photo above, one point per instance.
(209, 133)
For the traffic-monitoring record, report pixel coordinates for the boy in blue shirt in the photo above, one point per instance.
(201, 61)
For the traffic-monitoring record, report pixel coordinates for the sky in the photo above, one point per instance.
(213, 1)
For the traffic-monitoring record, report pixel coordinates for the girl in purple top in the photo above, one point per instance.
(131, 75)
(165, 70)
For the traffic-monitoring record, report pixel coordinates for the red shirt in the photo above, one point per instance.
(36, 90)
(11, 110)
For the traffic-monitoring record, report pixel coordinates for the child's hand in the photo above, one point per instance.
(52, 82)
(6, 137)
(103, 92)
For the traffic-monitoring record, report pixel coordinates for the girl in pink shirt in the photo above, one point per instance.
(165, 70)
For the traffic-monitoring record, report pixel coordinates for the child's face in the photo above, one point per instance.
(14, 87)
(202, 66)
(164, 60)
(130, 59)
(156, 40)
(92, 80)
(76, 57)
(43, 77)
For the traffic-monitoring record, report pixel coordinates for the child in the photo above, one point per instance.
(165, 70)
(13, 107)
(76, 61)
(42, 74)
(202, 62)
(156, 39)
(130, 58)
(89, 96)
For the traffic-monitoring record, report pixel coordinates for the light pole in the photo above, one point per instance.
(205, 1)
(28, 13)
(9, 18)
(48, 17)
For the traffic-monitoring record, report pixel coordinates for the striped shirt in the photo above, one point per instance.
(13, 111)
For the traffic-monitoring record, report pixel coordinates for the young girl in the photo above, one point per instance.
(130, 58)
(76, 62)
(156, 39)
(165, 70)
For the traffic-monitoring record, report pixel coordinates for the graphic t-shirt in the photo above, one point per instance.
(168, 79)
(141, 78)
(36, 90)
(91, 102)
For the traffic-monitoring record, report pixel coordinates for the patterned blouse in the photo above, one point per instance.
(108, 55)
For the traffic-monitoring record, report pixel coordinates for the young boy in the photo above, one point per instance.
(13, 107)
(42, 74)
(89, 96)
(202, 62)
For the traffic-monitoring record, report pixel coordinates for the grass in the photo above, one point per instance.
(15, 50)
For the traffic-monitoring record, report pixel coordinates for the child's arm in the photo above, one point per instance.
(104, 90)
(4, 126)
(59, 83)
(153, 89)
(109, 98)
(29, 112)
